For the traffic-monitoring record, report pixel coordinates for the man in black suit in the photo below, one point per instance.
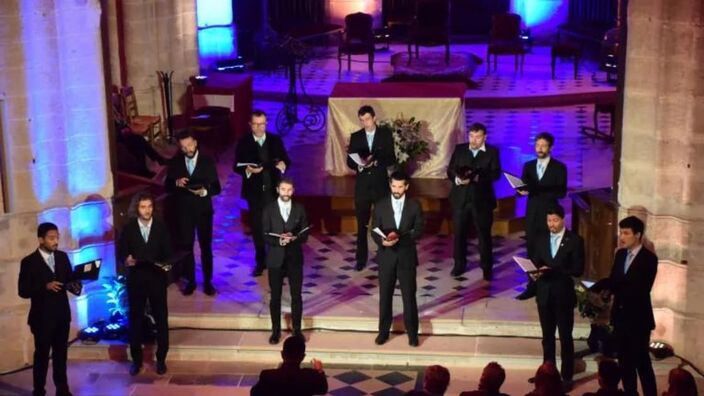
(375, 145)
(290, 379)
(284, 257)
(546, 183)
(473, 169)
(631, 280)
(193, 179)
(559, 256)
(261, 160)
(45, 276)
(145, 249)
(400, 219)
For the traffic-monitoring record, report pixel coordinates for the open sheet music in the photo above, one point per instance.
(514, 181)
(526, 265)
(357, 159)
(379, 232)
(253, 165)
(283, 236)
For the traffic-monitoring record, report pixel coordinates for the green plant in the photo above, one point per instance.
(116, 291)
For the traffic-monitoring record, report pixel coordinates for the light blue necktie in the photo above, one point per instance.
(553, 244)
(541, 170)
(629, 261)
(190, 165)
(260, 141)
(397, 213)
(370, 140)
(287, 212)
(145, 234)
(50, 262)
(474, 152)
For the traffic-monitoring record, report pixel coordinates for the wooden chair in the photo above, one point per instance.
(430, 27)
(357, 39)
(505, 39)
(563, 49)
(149, 125)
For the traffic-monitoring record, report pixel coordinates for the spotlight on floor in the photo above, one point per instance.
(90, 335)
(661, 350)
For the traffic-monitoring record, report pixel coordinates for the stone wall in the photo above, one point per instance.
(56, 147)
(662, 159)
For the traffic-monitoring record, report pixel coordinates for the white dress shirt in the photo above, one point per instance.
(284, 209)
(145, 229)
(397, 206)
(46, 256)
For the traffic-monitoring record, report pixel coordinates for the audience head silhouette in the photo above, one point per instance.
(492, 378)
(437, 379)
(294, 350)
(609, 374)
(681, 383)
(547, 380)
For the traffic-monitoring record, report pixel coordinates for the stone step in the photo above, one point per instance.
(436, 326)
(348, 348)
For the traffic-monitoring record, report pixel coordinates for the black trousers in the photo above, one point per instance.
(294, 272)
(406, 276)
(198, 221)
(482, 220)
(256, 210)
(148, 285)
(362, 211)
(634, 359)
(558, 314)
(51, 336)
(535, 226)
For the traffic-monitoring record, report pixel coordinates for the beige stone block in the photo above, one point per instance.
(686, 12)
(11, 56)
(645, 9)
(670, 287)
(10, 8)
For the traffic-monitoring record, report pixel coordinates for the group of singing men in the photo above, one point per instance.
(280, 227)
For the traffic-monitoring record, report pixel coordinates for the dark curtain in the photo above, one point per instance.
(248, 20)
(593, 13)
(467, 17)
(291, 14)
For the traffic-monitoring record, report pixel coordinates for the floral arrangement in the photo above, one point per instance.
(411, 139)
(593, 305)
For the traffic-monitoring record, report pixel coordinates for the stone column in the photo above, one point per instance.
(662, 160)
(55, 149)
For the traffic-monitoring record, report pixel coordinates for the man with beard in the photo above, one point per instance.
(473, 169)
(145, 247)
(261, 159)
(559, 256)
(400, 219)
(193, 179)
(45, 276)
(546, 182)
(284, 224)
(376, 146)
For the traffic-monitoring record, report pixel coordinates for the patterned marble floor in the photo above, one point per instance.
(332, 287)
(108, 378)
(321, 74)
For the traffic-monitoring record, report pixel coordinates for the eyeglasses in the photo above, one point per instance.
(257, 124)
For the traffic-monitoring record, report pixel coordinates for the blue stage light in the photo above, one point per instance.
(213, 13)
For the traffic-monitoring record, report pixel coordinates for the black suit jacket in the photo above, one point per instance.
(157, 249)
(632, 309)
(373, 182)
(290, 381)
(247, 152)
(46, 306)
(273, 222)
(545, 192)
(410, 230)
(486, 166)
(568, 262)
(204, 173)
